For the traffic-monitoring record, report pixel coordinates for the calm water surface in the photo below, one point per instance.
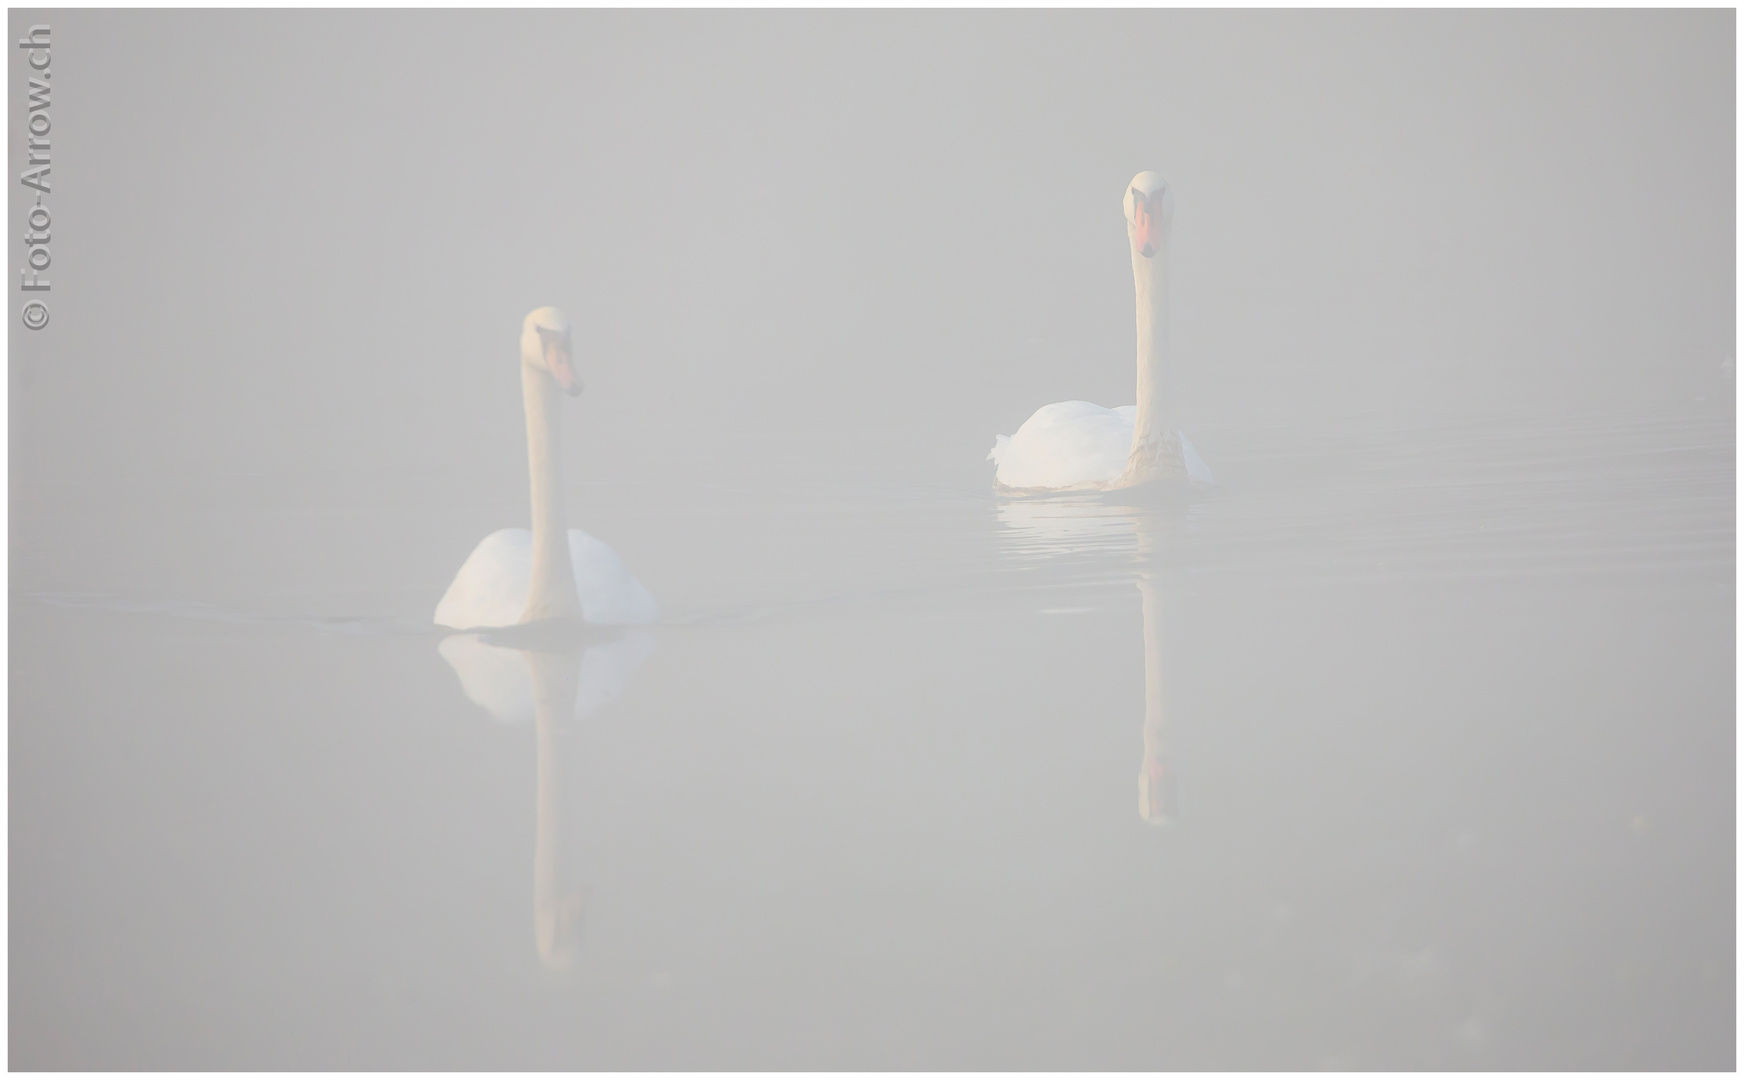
(1412, 745)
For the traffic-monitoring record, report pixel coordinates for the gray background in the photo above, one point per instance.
(293, 238)
(1453, 292)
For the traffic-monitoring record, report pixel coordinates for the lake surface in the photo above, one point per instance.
(1409, 746)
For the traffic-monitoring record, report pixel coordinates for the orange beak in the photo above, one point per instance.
(557, 359)
(1144, 224)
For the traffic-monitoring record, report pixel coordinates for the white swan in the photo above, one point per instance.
(514, 576)
(1074, 445)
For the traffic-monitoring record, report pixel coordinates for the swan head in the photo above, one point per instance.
(1150, 206)
(545, 346)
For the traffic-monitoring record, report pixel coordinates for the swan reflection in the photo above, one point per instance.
(1082, 525)
(1100, 541)
(548, 674)
(1156, 779)
(498, 678)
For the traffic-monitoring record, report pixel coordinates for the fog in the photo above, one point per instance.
(1410, 744)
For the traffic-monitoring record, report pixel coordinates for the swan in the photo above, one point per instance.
(515, 576)
(1078, 446)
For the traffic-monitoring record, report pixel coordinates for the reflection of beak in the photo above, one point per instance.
(558, 933)
(1156, 793)
(1145, 233)
(562, 369)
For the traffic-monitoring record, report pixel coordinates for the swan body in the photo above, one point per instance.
(1078, 446)
(491, 588)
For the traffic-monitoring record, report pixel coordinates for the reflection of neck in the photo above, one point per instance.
(551, 590)
(555, 676)
(1156, 781)
(1155, 452)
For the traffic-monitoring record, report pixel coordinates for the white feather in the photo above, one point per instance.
(491, 588)
(1076, 442)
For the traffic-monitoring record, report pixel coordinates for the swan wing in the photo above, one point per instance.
(1067, 443)
(610, 594)
(491, 587)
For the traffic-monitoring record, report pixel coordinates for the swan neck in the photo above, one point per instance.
(551, 591)
(1151, 285)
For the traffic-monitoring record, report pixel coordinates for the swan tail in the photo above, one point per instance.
(1000, 442)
